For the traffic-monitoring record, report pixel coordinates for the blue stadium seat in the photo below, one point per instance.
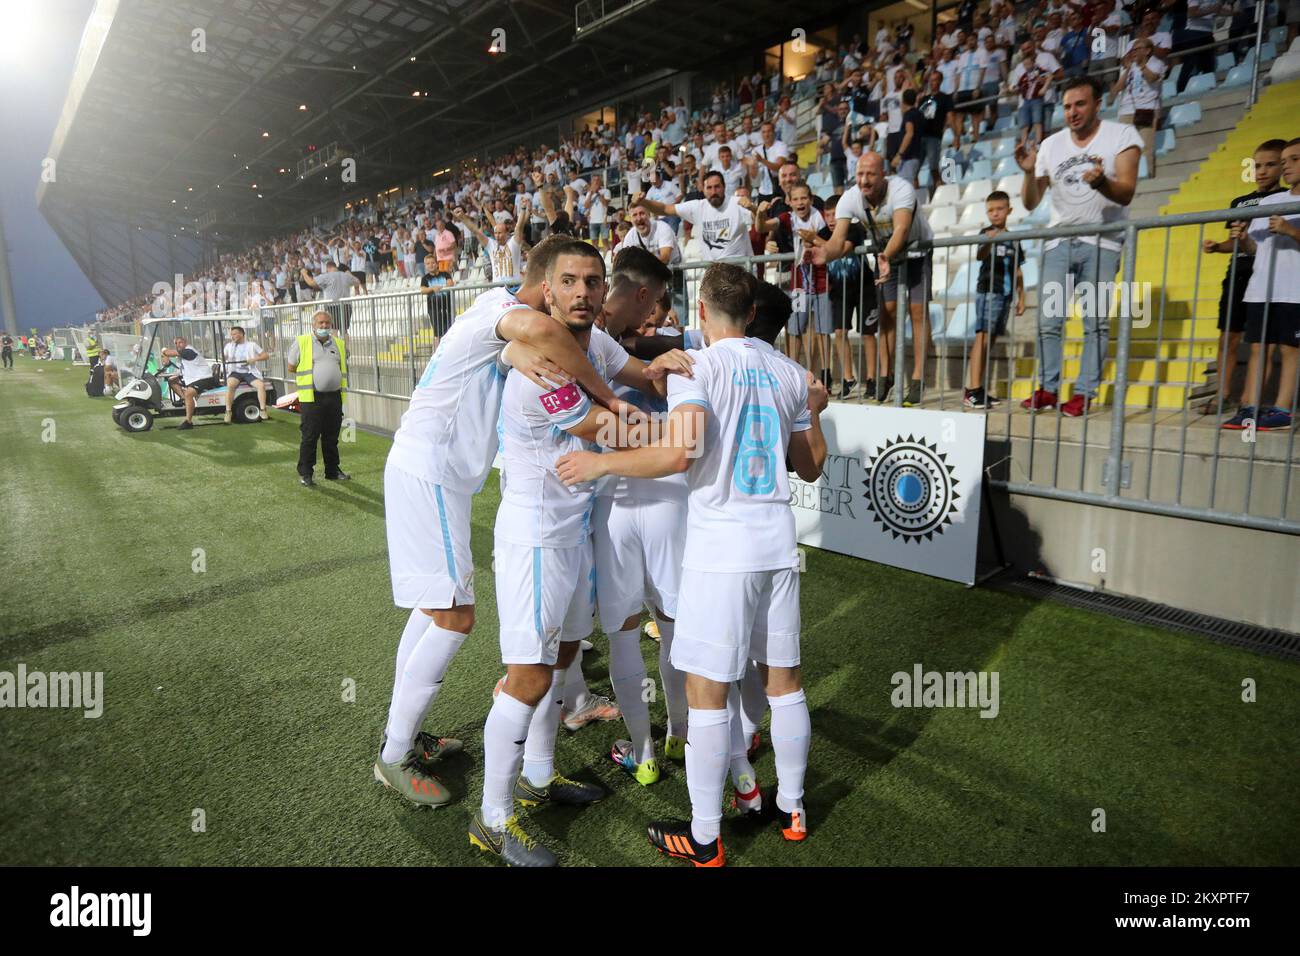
(923, 178)
(1237, 76)
(1005, 146)
(1030, 268)
(1169, 89)
(1267, 52)
(1142, 167)
(1185, 114)
(1058, 117)
(961, 326)
(1276, 35)
(1199, 85)
(962, 286)
(946, 138)
(1004, 122)
(980, 169)
(1166, 141)
(1224, 62)
(1040, 215)
(1006, 166)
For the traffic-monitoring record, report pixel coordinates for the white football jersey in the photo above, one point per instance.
(739, 505)
(537, 508)
(448, 434)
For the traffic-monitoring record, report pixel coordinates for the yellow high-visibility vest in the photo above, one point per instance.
(92, 346)
(306, 393)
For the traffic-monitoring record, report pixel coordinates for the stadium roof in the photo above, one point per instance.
(185, 114)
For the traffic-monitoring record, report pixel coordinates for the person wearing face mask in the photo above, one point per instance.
(319, 363)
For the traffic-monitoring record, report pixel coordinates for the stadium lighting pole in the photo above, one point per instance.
(6, 283)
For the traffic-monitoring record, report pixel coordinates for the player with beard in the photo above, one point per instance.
(544, 573)
(442, 453)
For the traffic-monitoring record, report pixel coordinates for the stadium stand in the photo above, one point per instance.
(1194, 123)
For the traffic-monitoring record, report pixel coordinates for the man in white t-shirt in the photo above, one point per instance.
(723, 223)
(719, 139)
(766, 159)
(890, 211)
(240, 355)
(505, 249)
(1091, 168)
(652, 235)
(731, 428)
(1137, 88)
(1032, 78)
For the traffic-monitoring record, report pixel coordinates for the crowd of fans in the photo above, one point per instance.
(669, 174)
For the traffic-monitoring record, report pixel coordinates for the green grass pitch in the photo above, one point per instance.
(223, 690)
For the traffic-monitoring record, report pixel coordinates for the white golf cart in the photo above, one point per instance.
(152, 386)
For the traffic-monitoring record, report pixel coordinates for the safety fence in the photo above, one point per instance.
(1135, 328)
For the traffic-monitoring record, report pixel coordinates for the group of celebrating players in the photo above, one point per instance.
(606, 459)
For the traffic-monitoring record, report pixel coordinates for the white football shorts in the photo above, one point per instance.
(638, 545)
(428, 542)
(726, 618)
(544, 596)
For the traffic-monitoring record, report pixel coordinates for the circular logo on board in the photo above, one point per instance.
(910, 489)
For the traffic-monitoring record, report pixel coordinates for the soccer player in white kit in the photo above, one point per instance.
(729, 428)
(544, 573)
(441, 455)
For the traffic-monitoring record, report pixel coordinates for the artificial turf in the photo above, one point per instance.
(224, 689)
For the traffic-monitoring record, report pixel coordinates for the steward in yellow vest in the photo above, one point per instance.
(318, 361)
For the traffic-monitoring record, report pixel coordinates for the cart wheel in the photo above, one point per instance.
(246, 410)
(117, 415)
(135, 420)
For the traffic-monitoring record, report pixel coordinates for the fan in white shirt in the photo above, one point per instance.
(723, 224)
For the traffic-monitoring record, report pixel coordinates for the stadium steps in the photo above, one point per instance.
(1191, 294)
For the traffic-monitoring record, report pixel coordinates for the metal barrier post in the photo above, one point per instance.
(1115, 459)
(1259, 47)
(900, 366)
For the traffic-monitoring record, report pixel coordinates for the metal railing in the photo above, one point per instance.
(1160, 454)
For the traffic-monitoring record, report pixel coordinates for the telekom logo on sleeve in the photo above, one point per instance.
(562, 399)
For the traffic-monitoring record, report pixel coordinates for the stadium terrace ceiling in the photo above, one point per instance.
(197, 113)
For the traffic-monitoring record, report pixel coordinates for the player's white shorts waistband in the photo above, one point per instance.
(429, 558)
(544, 596)
(638, 544)
(726, 618)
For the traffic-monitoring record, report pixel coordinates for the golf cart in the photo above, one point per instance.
(152, 386)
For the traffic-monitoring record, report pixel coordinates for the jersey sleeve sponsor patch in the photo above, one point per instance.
(561, 399)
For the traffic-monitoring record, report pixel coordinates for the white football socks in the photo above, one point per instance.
(539, 751)
(575, 685)
(753, 701)
(743, 776)
(421, 679)
(674, 682)
(791, 738)
(627, 675)
(707, 753)
(416, 625)
(503, 749)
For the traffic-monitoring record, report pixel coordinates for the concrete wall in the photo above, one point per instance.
(1215, 569)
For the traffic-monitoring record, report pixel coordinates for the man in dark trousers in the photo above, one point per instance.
(318, 360)
(7, 350)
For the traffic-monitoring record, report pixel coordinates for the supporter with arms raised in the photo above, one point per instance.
(1091, 169)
